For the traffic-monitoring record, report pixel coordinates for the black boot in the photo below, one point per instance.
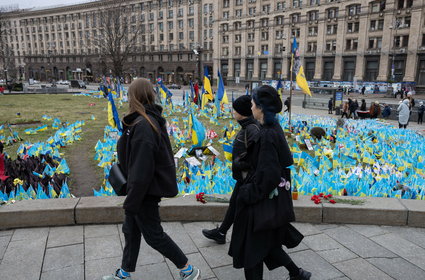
(304, 275)
(215, 235)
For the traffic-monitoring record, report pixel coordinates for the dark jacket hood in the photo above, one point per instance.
(154, 111)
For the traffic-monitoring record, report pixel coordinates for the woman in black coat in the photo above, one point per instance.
(146, 159)
(253, 241)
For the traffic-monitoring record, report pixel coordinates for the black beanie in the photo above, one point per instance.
(242, 105)
(268, 98)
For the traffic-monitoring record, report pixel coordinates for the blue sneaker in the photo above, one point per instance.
(117, 276)
(194, 275)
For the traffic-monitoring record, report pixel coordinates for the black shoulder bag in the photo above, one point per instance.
(117, 180)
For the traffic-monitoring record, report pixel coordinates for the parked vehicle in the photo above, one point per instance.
(63, 82)
(78, 84)
(175, 86)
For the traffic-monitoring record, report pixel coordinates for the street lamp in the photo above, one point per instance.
(197, 51)
(395, 27)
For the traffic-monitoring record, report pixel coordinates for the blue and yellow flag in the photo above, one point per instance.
(113, 117)
(164, 91)
(197, 131)
(298, 69)
(207, 94)
(279, 87)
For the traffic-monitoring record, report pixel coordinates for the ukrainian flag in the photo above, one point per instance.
(207, 94)
(113, 117)
(228, 150)
(197, 131)
(298, 69)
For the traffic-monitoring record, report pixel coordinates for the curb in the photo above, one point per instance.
(108, 210)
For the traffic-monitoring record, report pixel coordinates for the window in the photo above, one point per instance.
(225, 39)
(331, 29)
(331, 45)
(264, 35)
(279, 48)
(181, 35)
(251, 37)
(313, 15)
(264, 22)
(249, 69)
(238, 51)
(266, 9)
(312, 31)
(295, 18)
(237, 68)
(295, 32)
(237, 25)
(279, 34)
(238, 13)
(225, 51)
(238, 38)
(376, 25)
(351, 44)
(314, 2)
(279, 20)
(250, 24)
(372, 70)
(224, 27)
(332, 13)
(377, 6)
(226, 3)
(239, 3)
(263, 70)
(311, 47)
(297, 3)
(354, 10)
(401, 41)
(277, 70)
(250, 50)
(280, 6)
(251, 11)
(226, 14)
(353, 27)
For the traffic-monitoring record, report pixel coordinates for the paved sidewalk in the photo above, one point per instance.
(329, 251)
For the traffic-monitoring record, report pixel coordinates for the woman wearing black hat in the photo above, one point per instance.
(264, 205)
(240, 162)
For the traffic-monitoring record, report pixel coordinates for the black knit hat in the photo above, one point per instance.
(268, 98)
(242, 105)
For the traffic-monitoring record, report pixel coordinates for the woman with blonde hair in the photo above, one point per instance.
(146, 160)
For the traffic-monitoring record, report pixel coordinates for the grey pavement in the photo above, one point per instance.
(329, 251)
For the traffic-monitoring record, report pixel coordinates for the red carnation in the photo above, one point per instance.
(329, 195)
(321, 194)
(332, 201)
(200, 197)
(317, 201)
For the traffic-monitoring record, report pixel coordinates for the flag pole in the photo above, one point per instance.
(290, 91)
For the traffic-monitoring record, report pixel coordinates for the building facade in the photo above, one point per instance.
(57, 43)
(247, 40)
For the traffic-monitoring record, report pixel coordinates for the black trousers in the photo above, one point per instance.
(230, 213)
(402, 125)
(420, 118)
(148, 223)
(276, 258)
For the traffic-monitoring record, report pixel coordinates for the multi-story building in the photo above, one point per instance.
(247, 40)
(338, 40)
(57, 43)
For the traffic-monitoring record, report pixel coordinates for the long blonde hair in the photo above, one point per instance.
(141, 93)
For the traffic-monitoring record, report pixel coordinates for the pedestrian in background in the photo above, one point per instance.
(363, 107)
(421, 111)
(254, 243)
(146, 159)
(345, 110)
(330, 105)
(387, 111)
(403, 113)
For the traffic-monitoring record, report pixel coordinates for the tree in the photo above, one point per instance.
(116, 36)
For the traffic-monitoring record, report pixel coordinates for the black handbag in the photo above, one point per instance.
(117, 180)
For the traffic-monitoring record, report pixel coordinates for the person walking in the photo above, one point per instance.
(375, 110)
(146, 159)
(403, 113)
(345, 110)
(254, 242)
(353, 106)
(330, 105)
(363, 107)
(421, 111)
(387, 111)
(240, 163)
(288, 104)
(363, 90)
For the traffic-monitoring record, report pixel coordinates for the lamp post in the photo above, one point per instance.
(395, 27)
(198, 52)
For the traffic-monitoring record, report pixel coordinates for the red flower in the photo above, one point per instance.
(321, 194)
(329, 195)
(332, 201)
(200, 197)
(317, 201)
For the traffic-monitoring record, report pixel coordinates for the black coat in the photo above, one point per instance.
(146, 159)
(271, 157)
(243, 140)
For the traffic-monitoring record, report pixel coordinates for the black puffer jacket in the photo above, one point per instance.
(243, 140)
(146, 159)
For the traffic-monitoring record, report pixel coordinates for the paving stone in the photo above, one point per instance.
(197, 260)
(229, 272)
(361, 269)
(398, 268)
(30, 234)
(61, 236)
(300, 247)
(100, 230)
(369, 230)
(414, 235)
(357, 243)
(153, 272)
(307, 229)
(6, 232)
(4, 241)
(321, 242)
(217, 255)
(403, 248)
(276, 274)
(323, 227)
(337, 255)
(314, 263)
(195, 232)
(95, 269)
(102, 247)
(66, 273)
(61, 257)
(23, 260)
(178, 233)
